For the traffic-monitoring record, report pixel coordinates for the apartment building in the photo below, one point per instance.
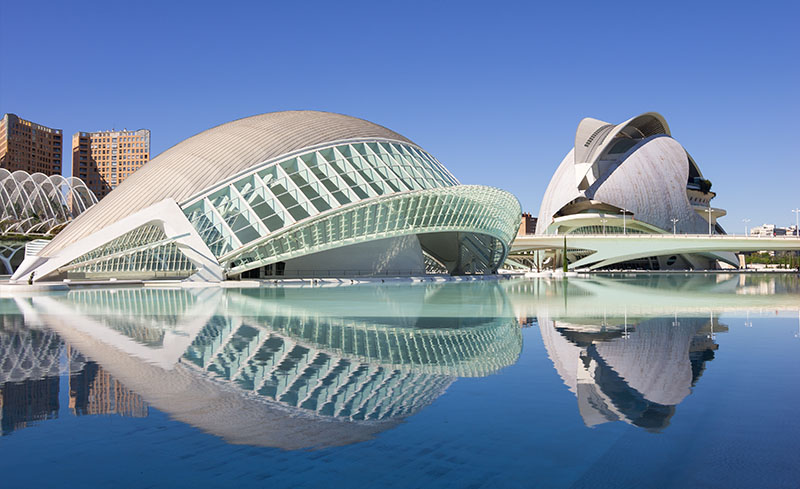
(30, 147)
(105, 159)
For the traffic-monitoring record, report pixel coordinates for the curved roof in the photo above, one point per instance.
(579, 174)
(215, 155)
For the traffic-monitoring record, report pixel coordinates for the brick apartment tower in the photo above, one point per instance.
(528, 225)
(28, 146)
(105, 159)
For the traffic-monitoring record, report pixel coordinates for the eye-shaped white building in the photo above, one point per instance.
(630, 178)
(286, 194)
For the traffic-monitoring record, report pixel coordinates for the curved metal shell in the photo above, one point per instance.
(216, 155)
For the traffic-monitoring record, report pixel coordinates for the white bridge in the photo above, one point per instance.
(609, 249)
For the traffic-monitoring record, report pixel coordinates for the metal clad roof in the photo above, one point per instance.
(215, 155)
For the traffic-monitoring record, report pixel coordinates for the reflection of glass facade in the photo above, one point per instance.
(347, 367)
(271, 367)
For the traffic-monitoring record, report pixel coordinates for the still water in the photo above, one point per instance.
(608, 381)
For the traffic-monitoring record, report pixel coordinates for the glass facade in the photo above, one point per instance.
(279, 194)
(488, 213)
(145, 251)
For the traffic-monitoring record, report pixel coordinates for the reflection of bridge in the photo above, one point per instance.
(608, 249)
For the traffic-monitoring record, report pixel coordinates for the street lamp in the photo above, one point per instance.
(674, 220)
(624, 214)
(709, 210)
(745, 221)
(604, 221)
(796, 221)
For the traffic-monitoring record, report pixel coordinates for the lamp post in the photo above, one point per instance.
(674, 220)
(709, 210)
(796, 221)
(745, 221)
(624, 215)
(604, 221)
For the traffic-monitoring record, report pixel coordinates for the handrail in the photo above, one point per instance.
(650, 236)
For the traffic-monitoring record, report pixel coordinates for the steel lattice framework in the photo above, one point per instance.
(40, 204)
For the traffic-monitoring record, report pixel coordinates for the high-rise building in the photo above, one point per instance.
(527, 225)
(92, 390)
(105, 159)
(28, 146)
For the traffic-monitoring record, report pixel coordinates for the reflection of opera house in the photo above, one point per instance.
(297, 193)
(276, 369)
(636, 372)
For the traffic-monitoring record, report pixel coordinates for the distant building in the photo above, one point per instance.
(28, 146)
(105, 159)
(528, 224)
(773, 230)
(92, 390)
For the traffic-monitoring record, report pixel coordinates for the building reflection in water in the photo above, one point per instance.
(315, 367)
(636, 372)
(92, 390)
(271, 366)
(30, 367)
(631, 348)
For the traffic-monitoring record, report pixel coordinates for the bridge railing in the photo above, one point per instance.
(661, 236)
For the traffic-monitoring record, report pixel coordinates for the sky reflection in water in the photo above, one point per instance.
(601, 381)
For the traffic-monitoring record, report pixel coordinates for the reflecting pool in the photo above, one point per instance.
(650, 380)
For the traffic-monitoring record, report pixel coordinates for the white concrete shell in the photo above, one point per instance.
(634, 168)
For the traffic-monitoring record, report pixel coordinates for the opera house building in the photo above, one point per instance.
(285, 194)
(630, 178)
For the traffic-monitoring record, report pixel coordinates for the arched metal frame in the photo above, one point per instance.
(346, 193)
(38, 203)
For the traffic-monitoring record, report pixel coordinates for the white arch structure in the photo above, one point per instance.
(605, 250)
(38, 204)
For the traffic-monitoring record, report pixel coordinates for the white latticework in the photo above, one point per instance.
(38, 203)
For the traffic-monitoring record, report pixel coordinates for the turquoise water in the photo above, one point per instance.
(607, 381)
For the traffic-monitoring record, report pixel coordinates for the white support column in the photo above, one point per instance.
(224, 229)
(350, 169)
(254, 220)
(400, 179)
(272, 201)
(323, 190)
(301, 198)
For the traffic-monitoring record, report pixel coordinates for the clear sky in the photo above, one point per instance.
(494, 90)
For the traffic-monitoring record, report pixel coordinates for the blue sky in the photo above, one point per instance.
(494, 90)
